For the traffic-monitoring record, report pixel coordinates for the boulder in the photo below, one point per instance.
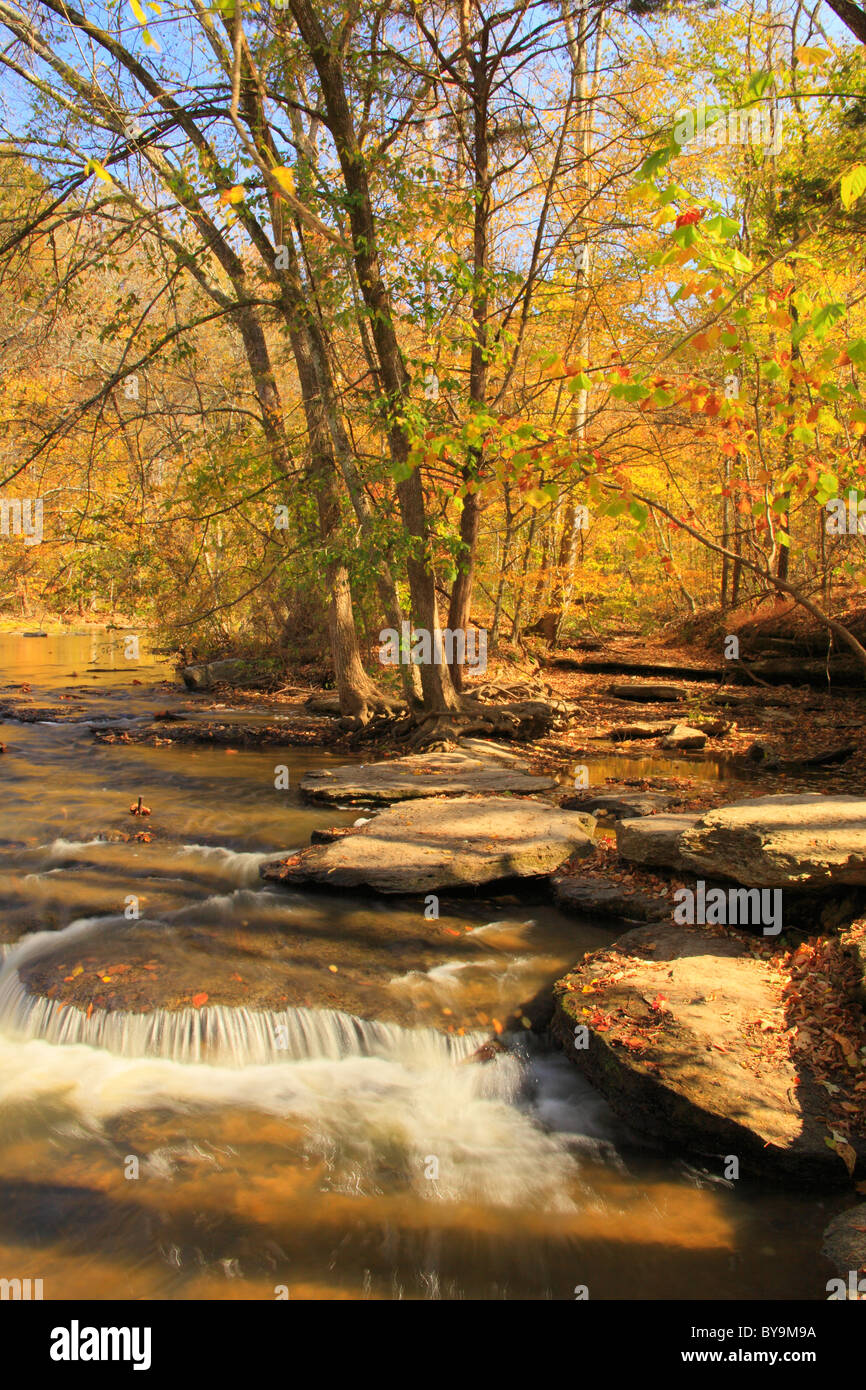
(601, 897)
(683, 1032)
(624, 733)
(616, 802)
(787, 841)
(426, 845)
(844, 1245)
(206, 674)
(647, 692)
(684, 736)
(653, 840)
(457, 773)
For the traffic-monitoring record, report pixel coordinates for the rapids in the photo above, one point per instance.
(236, 1088)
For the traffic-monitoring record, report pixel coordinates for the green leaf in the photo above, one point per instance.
(635, 391)
(856, 350)
(581, 382)
(685, 236)
(759, 82)
(724, 227)
(828, 486)
(657, 160)
(824, 319)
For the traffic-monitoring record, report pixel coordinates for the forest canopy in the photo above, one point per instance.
(319, 320)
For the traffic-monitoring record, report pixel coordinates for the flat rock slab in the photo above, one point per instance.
(458, 773)
(616, 802)
(601, 897)
(788, 841)
(625, 733)
(438, 843)
(653, 839)
(684, 1041)
(647, 692)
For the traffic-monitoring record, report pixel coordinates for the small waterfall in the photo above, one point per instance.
(233, 866)
(216, 1033)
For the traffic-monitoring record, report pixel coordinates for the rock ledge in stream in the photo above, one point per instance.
(653, 840)
(459, 773)
(789, 841)
(682, 1029)
(618, 801)
(426, 845)
(647, 692)
(601, 897)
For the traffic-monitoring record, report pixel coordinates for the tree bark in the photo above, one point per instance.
(438, 690)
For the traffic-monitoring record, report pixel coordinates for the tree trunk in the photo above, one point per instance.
(438, 691)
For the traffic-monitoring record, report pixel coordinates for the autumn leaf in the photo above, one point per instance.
(852, 185)
(284, 178)
(688, 219)
(198, 1000)
(93, 166)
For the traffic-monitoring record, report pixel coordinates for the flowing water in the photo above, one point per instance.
(212, 1089)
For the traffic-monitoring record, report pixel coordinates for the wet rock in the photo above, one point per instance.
(323, 704)
(653, 839)
(455, 773)
(617, 802)
(684, 736)
(426, 845)
(624, 733)
(787, 841)
(677, 1024)
(732, 699)
(601, 897)
(204, 675)
(844, 1245)
(714, 727)
(647, 692)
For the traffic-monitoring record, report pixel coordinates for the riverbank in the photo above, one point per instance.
(223, 969)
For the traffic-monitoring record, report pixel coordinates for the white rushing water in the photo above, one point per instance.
(359, 1089)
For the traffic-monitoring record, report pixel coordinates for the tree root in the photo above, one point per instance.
(520, 722)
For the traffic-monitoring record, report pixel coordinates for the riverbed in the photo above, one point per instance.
(247, 1092)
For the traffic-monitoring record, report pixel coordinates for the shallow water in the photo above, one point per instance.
(312, 1124)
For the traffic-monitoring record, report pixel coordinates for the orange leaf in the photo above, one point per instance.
(198, 1000)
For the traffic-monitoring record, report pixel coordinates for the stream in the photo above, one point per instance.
(268, 1093)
